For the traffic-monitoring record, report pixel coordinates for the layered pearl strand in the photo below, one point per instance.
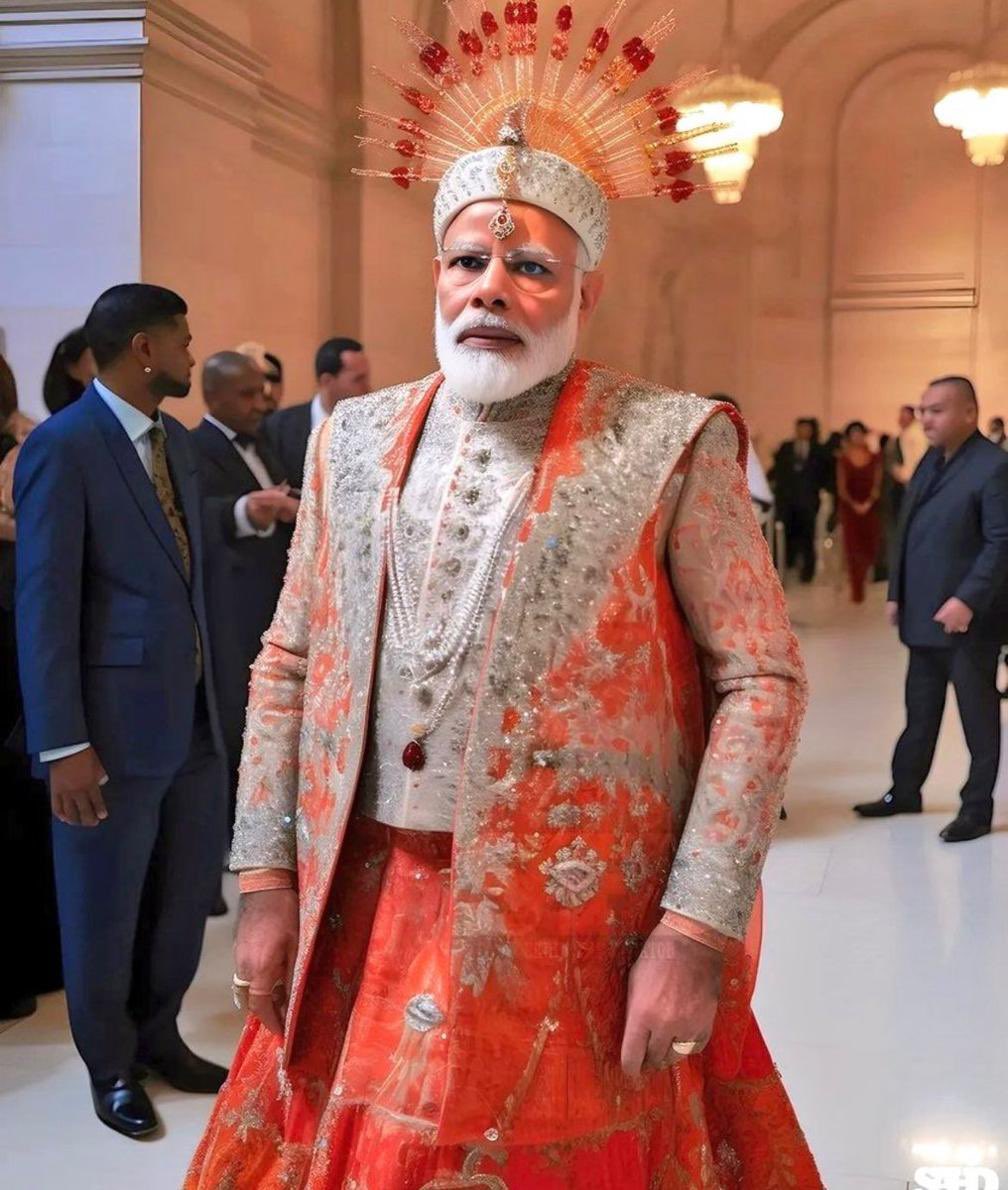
(443, 646)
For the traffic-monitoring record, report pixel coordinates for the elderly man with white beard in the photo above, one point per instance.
(516, 743)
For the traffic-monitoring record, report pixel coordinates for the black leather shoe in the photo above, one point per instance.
(962, 829)
(17, 1010)
(186, 1071)
(887, 806)
(123, 1105)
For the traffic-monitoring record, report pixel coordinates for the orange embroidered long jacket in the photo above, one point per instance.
(596, 785)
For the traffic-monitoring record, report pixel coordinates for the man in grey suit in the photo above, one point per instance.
(948, 595)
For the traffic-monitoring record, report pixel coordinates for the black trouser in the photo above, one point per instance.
(134, 894)
(799, 535)
(971, 667)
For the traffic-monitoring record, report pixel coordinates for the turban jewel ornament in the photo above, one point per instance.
(496, 119)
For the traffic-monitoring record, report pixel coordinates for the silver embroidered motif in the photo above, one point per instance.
(573, 874)
(422, 1013)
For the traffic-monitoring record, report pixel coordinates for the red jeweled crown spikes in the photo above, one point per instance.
(630, 148)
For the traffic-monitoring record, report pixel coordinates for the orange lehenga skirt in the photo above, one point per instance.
(363, 1116)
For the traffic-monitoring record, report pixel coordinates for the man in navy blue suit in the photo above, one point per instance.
(119, 700)
(948, 595)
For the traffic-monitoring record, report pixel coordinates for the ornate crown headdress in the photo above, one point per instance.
(488, 124)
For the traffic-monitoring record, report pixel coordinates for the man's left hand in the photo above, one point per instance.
(954, 616)
(673, 996)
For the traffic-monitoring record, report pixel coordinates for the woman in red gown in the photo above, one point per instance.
(859, 485)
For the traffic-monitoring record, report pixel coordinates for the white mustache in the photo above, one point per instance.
(476, 321)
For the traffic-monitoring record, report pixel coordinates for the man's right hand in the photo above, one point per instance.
(75, 789)
(892, 614)
(266, 507)
(265, 949)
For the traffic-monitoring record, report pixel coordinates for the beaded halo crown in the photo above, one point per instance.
(489, 122)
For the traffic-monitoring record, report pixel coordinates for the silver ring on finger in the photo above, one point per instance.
(685, 1049)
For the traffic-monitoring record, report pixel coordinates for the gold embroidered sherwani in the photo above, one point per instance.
(639, 701)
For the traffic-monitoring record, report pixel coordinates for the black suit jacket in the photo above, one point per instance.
(243, 574)
(288, 431)
(797, 482)
(953, 541)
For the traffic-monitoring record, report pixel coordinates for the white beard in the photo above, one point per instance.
(489, 377)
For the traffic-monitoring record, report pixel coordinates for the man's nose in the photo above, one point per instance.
(493, 289)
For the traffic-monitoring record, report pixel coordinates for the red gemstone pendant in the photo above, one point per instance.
(414, 757)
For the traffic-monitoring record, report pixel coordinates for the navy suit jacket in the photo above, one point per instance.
(288, 431)
(105, 615)
(244, 575)
(953, 541)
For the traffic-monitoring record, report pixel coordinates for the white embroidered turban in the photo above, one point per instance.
(540, 178)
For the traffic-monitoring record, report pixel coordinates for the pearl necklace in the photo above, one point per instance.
(445, 645)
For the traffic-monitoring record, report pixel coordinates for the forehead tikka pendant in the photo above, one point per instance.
(502, 225)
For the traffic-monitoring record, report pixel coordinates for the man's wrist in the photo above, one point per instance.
(254, 880)
(696, 931)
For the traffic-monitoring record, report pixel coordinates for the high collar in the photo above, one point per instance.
(526, 404)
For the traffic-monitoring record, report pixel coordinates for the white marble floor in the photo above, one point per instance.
(881, 989)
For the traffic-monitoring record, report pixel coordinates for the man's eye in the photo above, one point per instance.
(470, 263)
(531, 268)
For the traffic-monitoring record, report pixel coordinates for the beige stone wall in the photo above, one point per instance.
(237, 182)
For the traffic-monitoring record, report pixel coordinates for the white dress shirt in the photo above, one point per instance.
(318, 411)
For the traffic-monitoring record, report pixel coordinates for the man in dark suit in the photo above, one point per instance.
(117, 677)
(248, 515)
(948, 594)
(343, 371)
(798, 476)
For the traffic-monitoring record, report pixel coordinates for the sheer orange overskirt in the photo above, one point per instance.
(362, 1113)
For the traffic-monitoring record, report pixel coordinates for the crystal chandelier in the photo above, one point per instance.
(743, 108)
(975, 103)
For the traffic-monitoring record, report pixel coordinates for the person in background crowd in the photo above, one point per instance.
(248, 515)
(342, 370)
(117, 677)
(948, 594)
(912, 446)
(29, 924)
(798, 477)
(996, 432)
(272, 370)
(70, 371)
(859, 485)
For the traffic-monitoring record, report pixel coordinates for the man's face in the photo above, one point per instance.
(171, 362)
(803, 431)
(352, 380)
(542, 249)
(947, 416)
(906, 418)
(240, 400)
(509, 312)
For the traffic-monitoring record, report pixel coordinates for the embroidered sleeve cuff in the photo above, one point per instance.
(696, 930)
(266, 879)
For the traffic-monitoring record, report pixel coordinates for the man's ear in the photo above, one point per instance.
(592, 285)
(437, 270)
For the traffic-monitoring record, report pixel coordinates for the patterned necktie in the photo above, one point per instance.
(167, 496)
(169, 501)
